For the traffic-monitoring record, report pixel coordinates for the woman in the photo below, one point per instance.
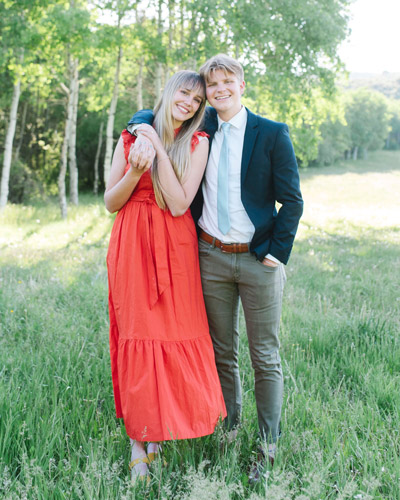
(165, 381)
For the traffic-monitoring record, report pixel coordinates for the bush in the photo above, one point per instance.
(335, 141)
(24, 186)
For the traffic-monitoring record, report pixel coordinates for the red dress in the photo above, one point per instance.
(165, 381)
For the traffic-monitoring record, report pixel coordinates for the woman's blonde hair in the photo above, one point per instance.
(177, 147)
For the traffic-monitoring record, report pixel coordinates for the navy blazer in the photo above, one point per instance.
(269, 174)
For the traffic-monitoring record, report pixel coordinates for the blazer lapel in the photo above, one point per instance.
(250, 137)
(211, 123)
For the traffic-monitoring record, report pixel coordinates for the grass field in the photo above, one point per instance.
(340, 334)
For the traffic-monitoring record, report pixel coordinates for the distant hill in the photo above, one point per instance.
(386, 83)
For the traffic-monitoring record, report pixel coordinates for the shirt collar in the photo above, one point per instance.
(238, 121)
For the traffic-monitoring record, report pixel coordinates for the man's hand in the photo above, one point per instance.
(141, 154)
(269, 263)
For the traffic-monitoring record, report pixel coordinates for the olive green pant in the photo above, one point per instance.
(226, 278)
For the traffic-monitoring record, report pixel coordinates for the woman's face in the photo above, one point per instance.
(185, 103)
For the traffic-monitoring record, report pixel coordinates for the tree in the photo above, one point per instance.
(368, 119)
(18, 37)
(96, 160)
(393, 139)
(70, 32)
(288, 50)
(120, 8)
(9, 140)
(111, 118)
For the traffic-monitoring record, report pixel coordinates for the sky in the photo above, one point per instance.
(374, 43)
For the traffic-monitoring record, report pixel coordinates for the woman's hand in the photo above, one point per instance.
(149, 133)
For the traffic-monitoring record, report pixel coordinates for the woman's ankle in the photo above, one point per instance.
(137, 449)
(153, 447)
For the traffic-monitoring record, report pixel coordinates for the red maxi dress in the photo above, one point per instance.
(165, 381)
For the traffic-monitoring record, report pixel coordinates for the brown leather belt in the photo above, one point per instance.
(225, 247)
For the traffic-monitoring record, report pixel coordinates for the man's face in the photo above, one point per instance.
(224, 92)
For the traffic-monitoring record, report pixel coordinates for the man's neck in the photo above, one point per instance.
(228, 115)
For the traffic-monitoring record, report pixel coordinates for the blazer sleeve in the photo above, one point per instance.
(287, 192)
(142, 116)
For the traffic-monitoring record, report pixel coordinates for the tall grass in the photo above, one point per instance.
(59, 438)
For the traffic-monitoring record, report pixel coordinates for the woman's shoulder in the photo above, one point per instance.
(197, 137)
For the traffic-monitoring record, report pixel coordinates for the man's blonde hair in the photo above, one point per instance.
(224, 63)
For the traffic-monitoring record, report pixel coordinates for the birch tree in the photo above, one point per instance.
(18, 32)
(111, 118)
(68, 147)
(120, 8)
(97, 159)
(5, 174)
(70, 34)
(73, 169)
(62, 196)
(159, 66)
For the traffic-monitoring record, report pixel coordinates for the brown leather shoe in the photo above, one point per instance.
(258, 470)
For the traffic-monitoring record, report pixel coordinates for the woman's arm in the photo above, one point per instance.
(177, 196)
(120, 186)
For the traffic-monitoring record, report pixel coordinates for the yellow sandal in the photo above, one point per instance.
(140, 477)
(153, 455)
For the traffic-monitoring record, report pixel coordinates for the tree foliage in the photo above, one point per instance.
(393, 140)
(368, 119)
(288, 50)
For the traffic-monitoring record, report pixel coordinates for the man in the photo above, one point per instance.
(244, 241)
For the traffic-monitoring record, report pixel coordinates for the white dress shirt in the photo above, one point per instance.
(242, 229)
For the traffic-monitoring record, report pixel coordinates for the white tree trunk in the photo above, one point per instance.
(110, 121)
(355, 153)
(22, 130)
(157, 81)
(171, 32)
(73, 169)
(140, 84)
(62, 197)
(5, 176)
(159, 68)
(64, 153)
(97, 158)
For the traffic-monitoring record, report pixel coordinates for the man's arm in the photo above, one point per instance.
(142, 116)
(287, 193)
(143, 151)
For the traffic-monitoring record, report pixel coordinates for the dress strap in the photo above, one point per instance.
(196, 139)
(128, 139)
